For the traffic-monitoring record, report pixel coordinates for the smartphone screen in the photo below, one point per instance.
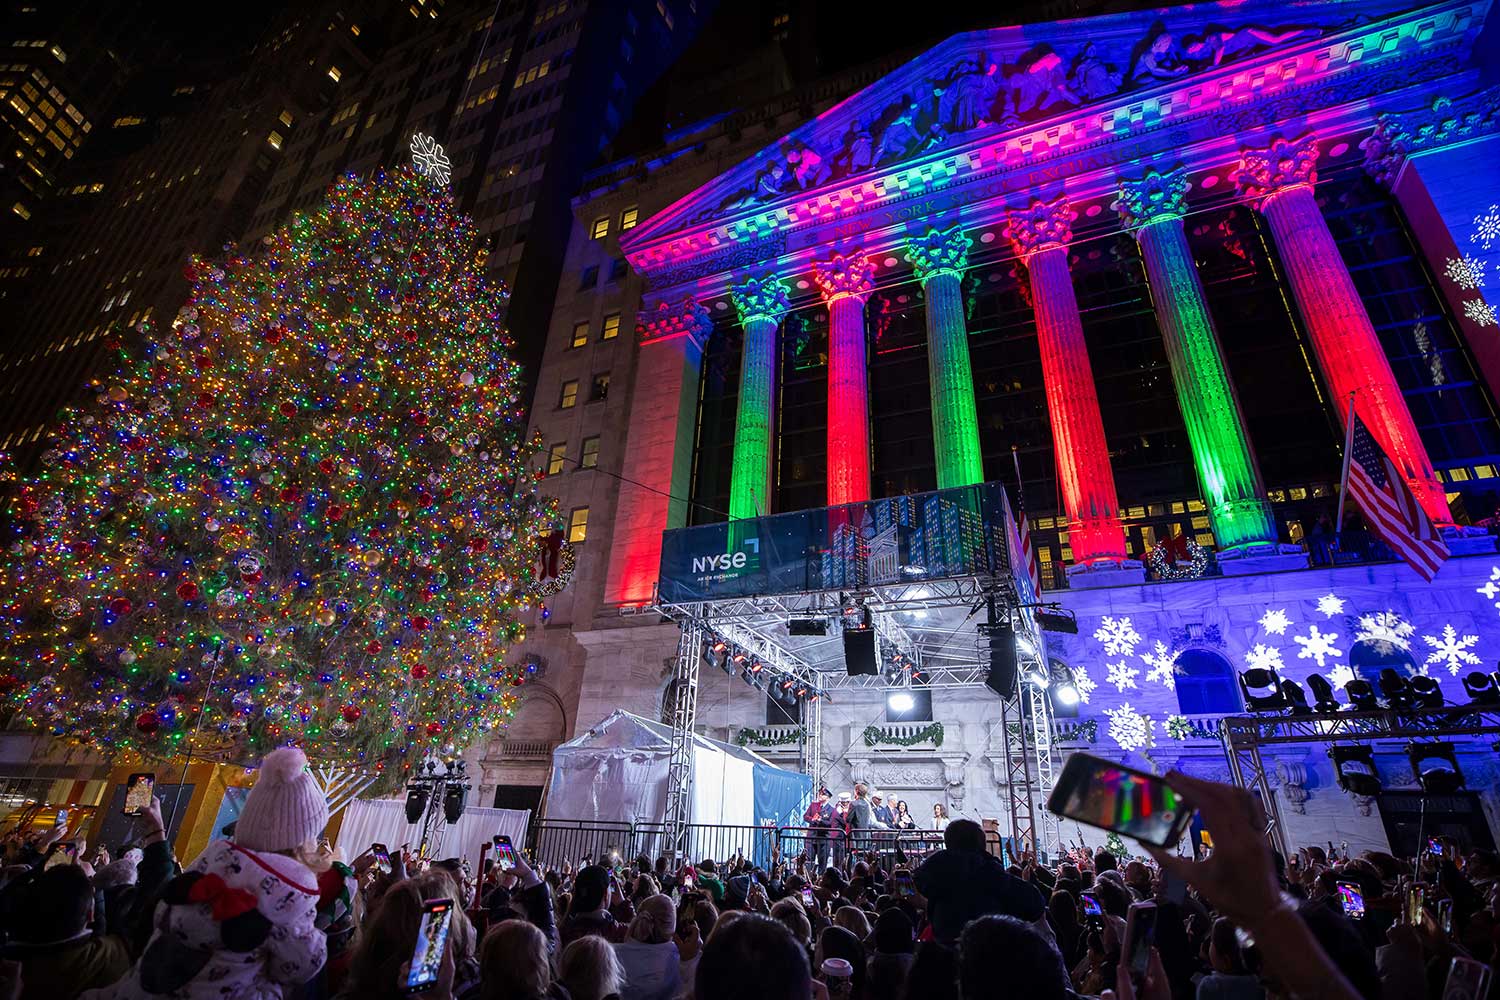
(138, 790)
(1435, 846)
(808, 899)
(505, 853)
(432, 938)
(1416, 895)
(1133, 803)
(61, 854)
(902, 886)
(62, 818)
(1092, 911)
(1140, 934)
(382, 857)
(1352, 899)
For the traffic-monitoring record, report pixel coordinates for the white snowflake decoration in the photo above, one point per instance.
(1491, 587)
(1275, 622)
(1129, 728)
(1480, 312)
(1452, 650)
(1084, 683)
(1264, 657)
(1163, 664)
(1118, 635)
(1317, 645)
(428, 158)
(1340, 675)
(1486, 227)
(1385, 626)
(1331, 605)
(1467, 272)
(1121, 675)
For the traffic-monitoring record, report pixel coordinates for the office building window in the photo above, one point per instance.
(580, 334)
(617, 268)
(589, 459)
(600, 229)
(599, 388)
(589, 278)
(274, 139)
(568, 398)
(578, 524)
(334, 74)
(629, 217)
(556, 456)
(611, 328)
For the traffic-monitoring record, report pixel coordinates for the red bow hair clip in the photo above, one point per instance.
(225, 902)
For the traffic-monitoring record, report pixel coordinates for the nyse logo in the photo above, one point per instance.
(715, 563)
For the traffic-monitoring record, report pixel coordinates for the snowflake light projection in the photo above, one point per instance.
(1121, 675)
(1163, 664)
(1491, 587)
(1480, 312)
(1129, 728)
(1275, 621)
(1330, 605)
(1385, 626)
(1486, 227)
(1118, 635)
(1317, 645)
(1451, 650)
(1264, 657)
(1467, 272)
(1340, 675)
(428, 158)
(1084, 683)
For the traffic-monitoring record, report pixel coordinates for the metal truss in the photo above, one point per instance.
(1050, 832)
(1244, 736)
(684, 719)
(1020, 801)
(769, 611)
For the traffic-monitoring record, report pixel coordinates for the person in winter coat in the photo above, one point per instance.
(50, 938)
(240, 924)
(962, 882)
(649, 956)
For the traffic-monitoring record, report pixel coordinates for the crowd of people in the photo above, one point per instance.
(274, 912)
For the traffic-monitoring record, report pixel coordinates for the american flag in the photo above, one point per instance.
(1028, 551)
(1389, 505)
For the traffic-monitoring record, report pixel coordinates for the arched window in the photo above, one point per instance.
(1206, 684)
(1370, 656)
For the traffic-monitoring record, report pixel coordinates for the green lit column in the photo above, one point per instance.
(1238, 510)
(939, 259)
(760, 302)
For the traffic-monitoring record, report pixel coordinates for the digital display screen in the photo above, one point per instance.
(432, 937)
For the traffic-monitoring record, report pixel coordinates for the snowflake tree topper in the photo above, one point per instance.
(428, 158)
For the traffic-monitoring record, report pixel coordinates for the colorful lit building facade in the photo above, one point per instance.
(1148, 257)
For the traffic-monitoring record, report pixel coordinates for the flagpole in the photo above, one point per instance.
(1338, 526)
(1020, 490)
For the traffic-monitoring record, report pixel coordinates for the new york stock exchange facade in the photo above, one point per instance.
(1143, 260)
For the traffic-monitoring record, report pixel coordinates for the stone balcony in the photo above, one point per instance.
(1182, 731)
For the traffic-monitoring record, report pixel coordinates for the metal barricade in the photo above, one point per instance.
(555, 842)
(726, 843)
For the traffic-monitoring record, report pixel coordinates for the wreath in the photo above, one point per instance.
(555, 563)
(1177, 558)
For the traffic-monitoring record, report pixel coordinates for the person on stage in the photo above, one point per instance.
(819, 822)
(939, 816)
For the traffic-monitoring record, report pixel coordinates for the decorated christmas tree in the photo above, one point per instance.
(299, 513)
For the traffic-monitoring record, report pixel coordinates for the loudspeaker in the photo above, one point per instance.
(1001, 678)
(859, 652)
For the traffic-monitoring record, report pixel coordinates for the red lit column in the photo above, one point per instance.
(1280, 178)
(846, 282)
(1040, 234)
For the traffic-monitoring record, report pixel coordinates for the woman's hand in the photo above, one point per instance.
(688, 941)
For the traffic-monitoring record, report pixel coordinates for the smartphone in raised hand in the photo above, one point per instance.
(1109, 796)
(1352, 900)
(1093, 913)
(382, 857)
(138, 790)
(505, 853)
(1140, 935)
(432, 940)
(61, 854)
(809, 901)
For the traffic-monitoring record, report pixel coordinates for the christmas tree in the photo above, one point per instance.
(300, 514)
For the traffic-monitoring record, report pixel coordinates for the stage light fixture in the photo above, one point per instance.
(416, 803)
(1436, 767)
(1324, 700)
(1262, 690)
(1362, 695)
(1481, 689)
(807, 626)
(1296, 698)
(900, 701)
(1057, 621)
(1395, 689)
(1425, 692)
(1355, 768)
(455, 797)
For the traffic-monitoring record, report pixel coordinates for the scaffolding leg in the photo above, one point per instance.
(1049, 833)
(684, 718)
(1018, 784)
(812, 742)
(1247, 769)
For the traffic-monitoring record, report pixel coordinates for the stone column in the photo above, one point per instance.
(1237, 507)
(657, 472)
(846, 282)
(1040, 234)
(939, 259)
(1280, 179)
(760, 302)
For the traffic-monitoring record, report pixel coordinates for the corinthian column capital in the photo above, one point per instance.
(1285, 163)
(760, 298)
(940, 251)
(1040, 225)
(1154, 197)
(844, 276)
(688, 318)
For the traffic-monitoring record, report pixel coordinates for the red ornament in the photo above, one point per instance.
(291, 495)
(120, 605)
(372, 647)
(136, 444)
(83, 549)
(273, 334)
(187, 590)
(410, 335)
(420, 623)
(419, 671)
(419, 418)
(479, 543)
(251, 578)
(205, 401)
(518, 681)
(9, 682)
(147, 722)
(351, 713)
(288, 409)
(326, 466)
(433, 728)
(335, 511)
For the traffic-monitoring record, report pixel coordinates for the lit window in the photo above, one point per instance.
(59, 53)
(274, 139)
(569, 395)
(628, 218)
(599, 388)
(354, 30)
(21, 210)
(37, 252)
(600, 228)
(334, 74)
(580, 334)
(578, 524)
(286, 118)
(611, 328)
(556, 456)
(590, 457)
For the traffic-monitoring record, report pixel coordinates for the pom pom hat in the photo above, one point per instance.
(286, 808)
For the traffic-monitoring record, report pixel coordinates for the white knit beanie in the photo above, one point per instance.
(285, 809)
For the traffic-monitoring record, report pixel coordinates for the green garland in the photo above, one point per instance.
(753, 737)
(1086, 731)
(1180, 727)
(875, 736)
